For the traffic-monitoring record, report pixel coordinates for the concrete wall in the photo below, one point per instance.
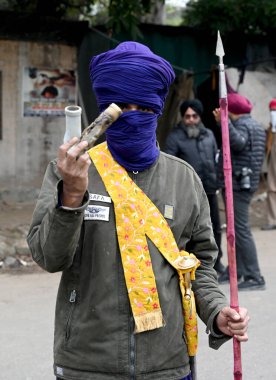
(259, 87)
(28, 143)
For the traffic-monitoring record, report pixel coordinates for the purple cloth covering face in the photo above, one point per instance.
(131, 73)
(132, 140)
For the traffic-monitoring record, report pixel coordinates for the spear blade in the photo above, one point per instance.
(219, 48)
(222, 80)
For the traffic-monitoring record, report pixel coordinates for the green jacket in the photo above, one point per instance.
(94, 336)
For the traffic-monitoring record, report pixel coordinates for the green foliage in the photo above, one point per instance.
(248, 16)
(125, 16)
(117, 15)
(173, 16)
(53, 8)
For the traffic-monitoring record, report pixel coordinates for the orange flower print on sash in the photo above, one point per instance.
(136, 218)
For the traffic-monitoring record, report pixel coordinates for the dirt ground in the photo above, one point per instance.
(15, 218)
(15, 214)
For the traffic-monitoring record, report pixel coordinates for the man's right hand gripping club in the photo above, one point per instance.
(73, 169)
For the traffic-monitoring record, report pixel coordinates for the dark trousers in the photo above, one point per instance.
(246, 252)
(215, 219)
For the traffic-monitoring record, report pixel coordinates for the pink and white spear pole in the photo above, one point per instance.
(227, 169)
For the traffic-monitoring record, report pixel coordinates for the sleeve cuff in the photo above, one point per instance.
(216, 337)
(59, 205)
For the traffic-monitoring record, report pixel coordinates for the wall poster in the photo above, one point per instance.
(46, 92)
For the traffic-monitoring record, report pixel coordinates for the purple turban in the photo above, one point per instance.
(238, 104)
(131, 73)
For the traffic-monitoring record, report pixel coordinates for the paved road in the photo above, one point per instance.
(27, 312)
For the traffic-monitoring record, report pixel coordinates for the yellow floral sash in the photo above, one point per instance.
(136, 218)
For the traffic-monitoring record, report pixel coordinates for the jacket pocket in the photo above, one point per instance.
(68, 325)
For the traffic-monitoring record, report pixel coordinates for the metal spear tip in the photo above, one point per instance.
(219, 49)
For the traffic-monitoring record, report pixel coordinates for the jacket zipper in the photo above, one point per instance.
(132, 350)
(72, 300)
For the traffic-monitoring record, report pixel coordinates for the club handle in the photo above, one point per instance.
(72, 122)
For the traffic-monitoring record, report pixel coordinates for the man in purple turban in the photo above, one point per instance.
(247, 144)
(80, 228)
(132, 74)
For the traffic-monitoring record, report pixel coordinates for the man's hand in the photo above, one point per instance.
(74, 172)
(216, 114)
(232, 323)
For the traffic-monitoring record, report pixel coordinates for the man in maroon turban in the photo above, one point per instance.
(247, 145)
(238, 104)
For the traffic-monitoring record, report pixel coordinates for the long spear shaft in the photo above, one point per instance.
(227, 169)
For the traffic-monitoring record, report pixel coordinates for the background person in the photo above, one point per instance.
(194, 143)
(271, 172)
(247, 144)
